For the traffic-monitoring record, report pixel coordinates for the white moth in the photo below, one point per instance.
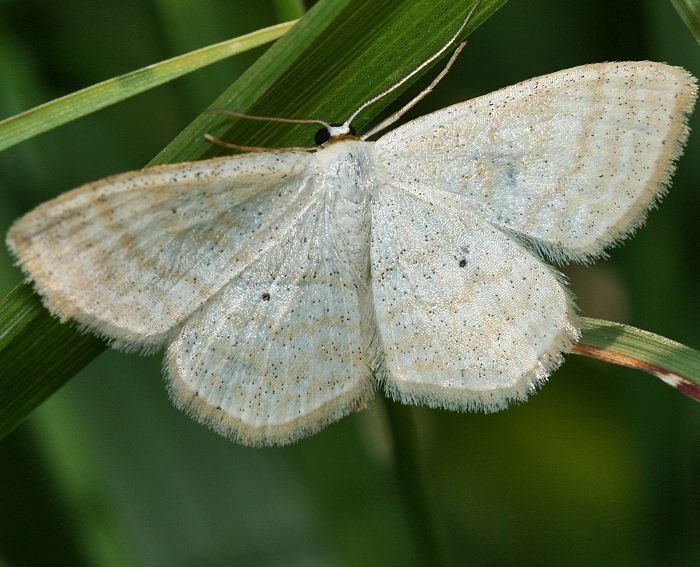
(289, 286)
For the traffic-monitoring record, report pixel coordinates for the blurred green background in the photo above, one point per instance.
(601, 467)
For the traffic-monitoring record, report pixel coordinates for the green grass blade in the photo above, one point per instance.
(37, 355)
(689, 11)
(342, 53)
(409, 476)
(59, 111)
(289, 9)
(372, 46)
(674, 363)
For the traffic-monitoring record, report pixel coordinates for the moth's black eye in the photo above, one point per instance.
(322, 136)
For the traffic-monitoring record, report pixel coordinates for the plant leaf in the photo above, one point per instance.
(37, 355)
(59, 111)
(674, 363)
(289, 9)
(339, 55)
(689, 11)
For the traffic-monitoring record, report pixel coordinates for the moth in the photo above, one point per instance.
(289, 286)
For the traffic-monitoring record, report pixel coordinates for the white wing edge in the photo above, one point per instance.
(497, 399)
(656, 189)
(188, 401)
(55, 301)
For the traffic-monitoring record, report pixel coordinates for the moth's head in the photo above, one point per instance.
(335, 133)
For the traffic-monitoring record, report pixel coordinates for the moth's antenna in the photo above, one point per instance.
(229, 145)
(267, 118)
(437, 54)
(336, 131)
(420, 96)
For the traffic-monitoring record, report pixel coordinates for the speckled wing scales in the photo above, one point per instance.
(132, 256)
(571, 161)
(284, 349)
(283, 281)
(468, 317)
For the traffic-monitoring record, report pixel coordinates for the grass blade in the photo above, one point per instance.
(37, 355)
(674, 363)
(59, 111)
(289, 9)
(689, 11)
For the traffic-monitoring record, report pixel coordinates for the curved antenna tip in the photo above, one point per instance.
(420, 67)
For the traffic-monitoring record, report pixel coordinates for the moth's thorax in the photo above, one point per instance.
(347, 168)
(345, 173)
